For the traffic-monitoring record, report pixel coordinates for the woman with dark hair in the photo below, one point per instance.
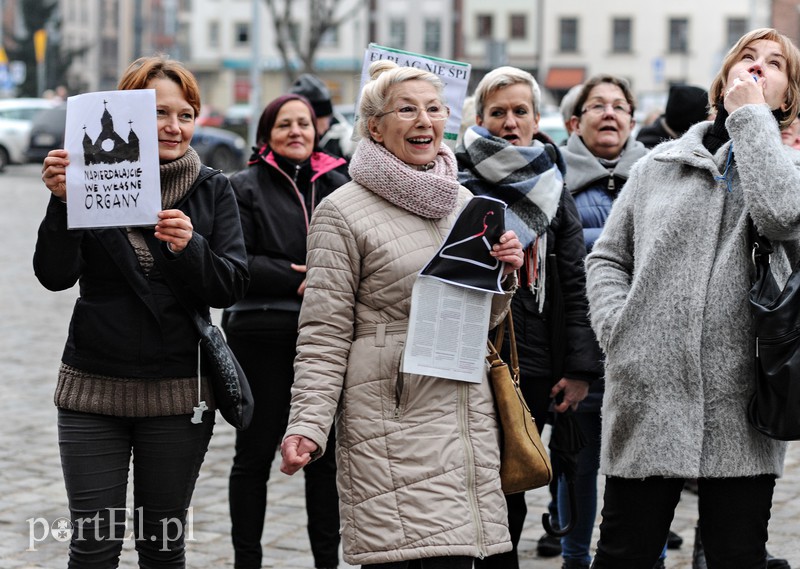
(599, 154)
(286, 178)
(128, 382)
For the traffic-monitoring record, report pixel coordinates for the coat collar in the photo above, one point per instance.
(584, 168)
(689, 151)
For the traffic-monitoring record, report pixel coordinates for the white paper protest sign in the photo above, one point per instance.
(113, 177)
(454, 75)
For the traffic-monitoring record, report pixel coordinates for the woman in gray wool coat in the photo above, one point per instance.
(667, 283)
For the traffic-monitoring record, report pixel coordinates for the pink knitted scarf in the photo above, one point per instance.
(430, 193)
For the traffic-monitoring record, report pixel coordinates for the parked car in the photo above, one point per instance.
(220, 148)
(217, 148)
(552, 125)
(209, 116)
(16, 116)
(237, 115)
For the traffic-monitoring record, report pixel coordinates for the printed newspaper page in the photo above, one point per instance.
(452, 298)
(447, 331)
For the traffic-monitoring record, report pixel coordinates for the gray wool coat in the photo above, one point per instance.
(667, 283)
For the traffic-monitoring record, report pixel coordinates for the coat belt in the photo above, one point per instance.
(381, 330)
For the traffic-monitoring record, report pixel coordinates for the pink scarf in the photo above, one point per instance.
(430, 193)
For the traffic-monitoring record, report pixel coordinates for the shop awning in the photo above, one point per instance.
(564, 77)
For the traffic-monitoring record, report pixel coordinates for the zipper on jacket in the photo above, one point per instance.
(472, 498)
(398, 394)
(297, 191)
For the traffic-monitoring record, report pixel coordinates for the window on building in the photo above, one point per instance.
(397, 33)
(519, 26)
(213, 34)
(241, 34)
(330, 38)
(485, 23)
(621, 35)
(678, 35)
(737, 27)
(568, 35)
(433, 36)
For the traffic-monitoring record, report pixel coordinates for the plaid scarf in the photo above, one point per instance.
(529, 179)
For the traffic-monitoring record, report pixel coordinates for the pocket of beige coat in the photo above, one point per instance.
(394, 392)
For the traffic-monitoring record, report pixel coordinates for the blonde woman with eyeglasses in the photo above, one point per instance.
(418, 456)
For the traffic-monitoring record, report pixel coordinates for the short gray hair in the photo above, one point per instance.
(567, 106)
(505, 77)
(383, 75)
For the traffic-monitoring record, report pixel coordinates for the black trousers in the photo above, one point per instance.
(96, 456)
(268, 362)
(734, 513)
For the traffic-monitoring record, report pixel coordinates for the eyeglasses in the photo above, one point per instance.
(412, 112)
(619, 109)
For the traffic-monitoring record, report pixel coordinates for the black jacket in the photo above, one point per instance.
(276, 208)
(560, 341)
(126, 323)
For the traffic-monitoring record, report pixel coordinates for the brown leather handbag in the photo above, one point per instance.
(524, 463)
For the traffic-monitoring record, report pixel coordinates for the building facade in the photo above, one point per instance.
(561, 42)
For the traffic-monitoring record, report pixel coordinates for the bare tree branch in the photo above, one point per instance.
(303, 43)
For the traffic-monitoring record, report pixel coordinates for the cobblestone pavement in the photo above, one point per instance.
(32, 333)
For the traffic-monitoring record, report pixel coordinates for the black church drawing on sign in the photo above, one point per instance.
(109, 147)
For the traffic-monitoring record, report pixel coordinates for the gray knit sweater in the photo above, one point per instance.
(667, 283)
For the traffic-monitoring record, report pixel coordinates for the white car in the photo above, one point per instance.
(16, 116)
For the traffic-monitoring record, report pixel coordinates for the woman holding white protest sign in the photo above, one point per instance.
(418, 456)
(129, 382)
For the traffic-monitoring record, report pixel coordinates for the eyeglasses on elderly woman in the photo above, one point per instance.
(619, 109)
(412, 112)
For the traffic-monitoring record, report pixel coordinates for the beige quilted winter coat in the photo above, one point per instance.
(418, 456)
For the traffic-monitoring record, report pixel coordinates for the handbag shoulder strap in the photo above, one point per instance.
(508, 322)
(200, 323)
(760, 246)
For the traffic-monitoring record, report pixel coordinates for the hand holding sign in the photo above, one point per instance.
(54, 173)
(174, 228)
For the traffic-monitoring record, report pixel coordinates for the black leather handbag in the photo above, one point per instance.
(232, 394)
(774, 408)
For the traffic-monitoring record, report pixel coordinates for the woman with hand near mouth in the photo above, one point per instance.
(418, 456)
(668, 282)
(504, 156)
(286, 178)
(129, 386)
